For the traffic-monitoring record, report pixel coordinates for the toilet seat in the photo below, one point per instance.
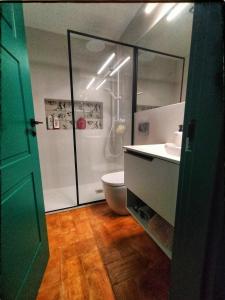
(114, 179)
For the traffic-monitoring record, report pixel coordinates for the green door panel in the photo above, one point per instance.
(199, 211)
(19, 249)
(13, 114)
(7, 12)
(24, 245)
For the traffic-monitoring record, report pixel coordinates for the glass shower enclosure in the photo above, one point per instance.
(109, 82)
(101, 88)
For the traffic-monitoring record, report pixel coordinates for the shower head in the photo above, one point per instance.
(120, 126)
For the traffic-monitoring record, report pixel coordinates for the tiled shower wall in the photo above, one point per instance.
(163, 121)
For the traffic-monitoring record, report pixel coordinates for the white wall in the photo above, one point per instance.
(55, 146)
(163, 122)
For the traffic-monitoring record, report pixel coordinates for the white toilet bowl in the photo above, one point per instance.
(115, 192)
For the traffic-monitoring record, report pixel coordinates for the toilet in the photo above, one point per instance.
(115, 192)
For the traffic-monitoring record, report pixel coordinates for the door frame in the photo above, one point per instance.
(24, 242)
(198, 259)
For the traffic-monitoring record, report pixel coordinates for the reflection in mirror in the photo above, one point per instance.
(159, 80)
(170, 35)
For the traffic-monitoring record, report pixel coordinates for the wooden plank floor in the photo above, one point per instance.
(97, 255)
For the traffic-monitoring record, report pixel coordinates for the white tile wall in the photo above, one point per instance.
(163, 122)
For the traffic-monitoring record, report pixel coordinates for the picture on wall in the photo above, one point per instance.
(60, 112)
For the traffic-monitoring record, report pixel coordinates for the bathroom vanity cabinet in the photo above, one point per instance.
(151, 177)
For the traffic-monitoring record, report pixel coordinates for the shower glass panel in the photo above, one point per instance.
(56, 146)
(102, 84)
(52, 104)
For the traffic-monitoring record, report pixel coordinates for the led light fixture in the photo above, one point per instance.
(150, 7)
(90, 83)
(175, 11)
(110, 58)
(98, 87)
(120, 66)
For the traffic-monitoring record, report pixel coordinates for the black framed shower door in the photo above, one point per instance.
(135, 50)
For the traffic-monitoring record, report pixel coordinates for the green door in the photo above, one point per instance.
(24, 245)
(198, 265)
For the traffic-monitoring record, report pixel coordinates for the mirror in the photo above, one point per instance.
(159, 80)
(162, 73)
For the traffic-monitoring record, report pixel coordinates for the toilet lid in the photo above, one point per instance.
(114, 179)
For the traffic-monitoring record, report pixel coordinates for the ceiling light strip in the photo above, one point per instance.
(175, 11)
(165, 9)
(150, 7)
(106, 63)
(90, 83)
(120, 66)
(98, 87)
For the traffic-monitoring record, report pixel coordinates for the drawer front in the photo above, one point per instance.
(153, 181)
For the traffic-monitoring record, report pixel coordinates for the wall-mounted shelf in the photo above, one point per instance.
(157, 228)
(91, 111)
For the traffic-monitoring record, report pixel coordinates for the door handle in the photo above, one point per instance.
(32, 132)
(190, 135)
(33, 122)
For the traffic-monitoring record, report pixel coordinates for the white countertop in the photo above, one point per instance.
(156, 150)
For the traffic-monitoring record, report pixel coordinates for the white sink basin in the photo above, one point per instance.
(172, 149)
(157, 150)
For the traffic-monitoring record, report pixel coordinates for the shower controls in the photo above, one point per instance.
(143, 128)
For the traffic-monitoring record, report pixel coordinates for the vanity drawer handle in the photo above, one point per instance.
(146, 157)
